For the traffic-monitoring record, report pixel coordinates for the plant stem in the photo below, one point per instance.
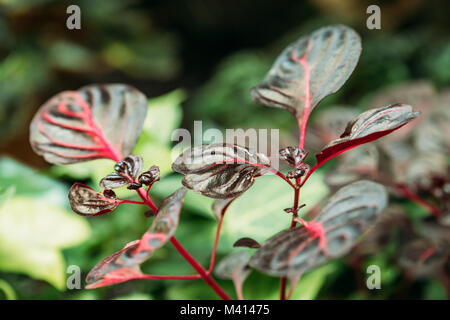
(307, 108)
(238, 287)
(130, 201)
(216, 241)
(205, 276)
(409, 194)
(283, 280)
(157, 277)
(147, 200)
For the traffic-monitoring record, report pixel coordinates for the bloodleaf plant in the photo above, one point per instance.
(105, 121)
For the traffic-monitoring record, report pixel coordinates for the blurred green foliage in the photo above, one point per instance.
(217, 51)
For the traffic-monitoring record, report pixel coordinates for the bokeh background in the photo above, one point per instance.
(195, 60)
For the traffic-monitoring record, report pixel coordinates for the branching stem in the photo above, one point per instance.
(186, 255)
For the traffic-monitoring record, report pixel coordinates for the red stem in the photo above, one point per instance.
(157, 277)
(216, 242)
(409, 194)
(302, 132)
(199, 269)
(283, 280)
(306, 111)
(202, 273)
(147, 200)
(130, 201)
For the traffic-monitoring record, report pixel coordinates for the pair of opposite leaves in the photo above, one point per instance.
(105, 121)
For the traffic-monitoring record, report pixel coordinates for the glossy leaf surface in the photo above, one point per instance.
(88, 202)
(96, 121)
(219, 170)
(367, 127)
(310, 69)
(123, 265)
(127, 171)
(247, 242)
(332, 233)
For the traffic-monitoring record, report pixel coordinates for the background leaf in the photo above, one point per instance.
(32, 245)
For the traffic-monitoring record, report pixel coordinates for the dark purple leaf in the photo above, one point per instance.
(150, 176)
(219, 170)
(129, 167)
(126, 173)
(124, 264)
(293, 155)
(247, 242)
(300, 171)
(420, 94)
(97, 121)
(310, 69)
(368, 126)
(113, 181)
(88, 202)
(332, 233)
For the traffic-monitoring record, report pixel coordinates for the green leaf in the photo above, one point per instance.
(8, 291)
(30, 183)
(6, 194)
(163, 117)
(310, 283)
(259, 213)
(32, 233)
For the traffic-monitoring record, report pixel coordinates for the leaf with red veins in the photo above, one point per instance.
(310, 69)
(87, 202)
(124, 258)
(165, 223)
(332, 233)
(127, 171)
(367, 127)
(96, 121)
(219, 170)
(127, 260)
(117, 276)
